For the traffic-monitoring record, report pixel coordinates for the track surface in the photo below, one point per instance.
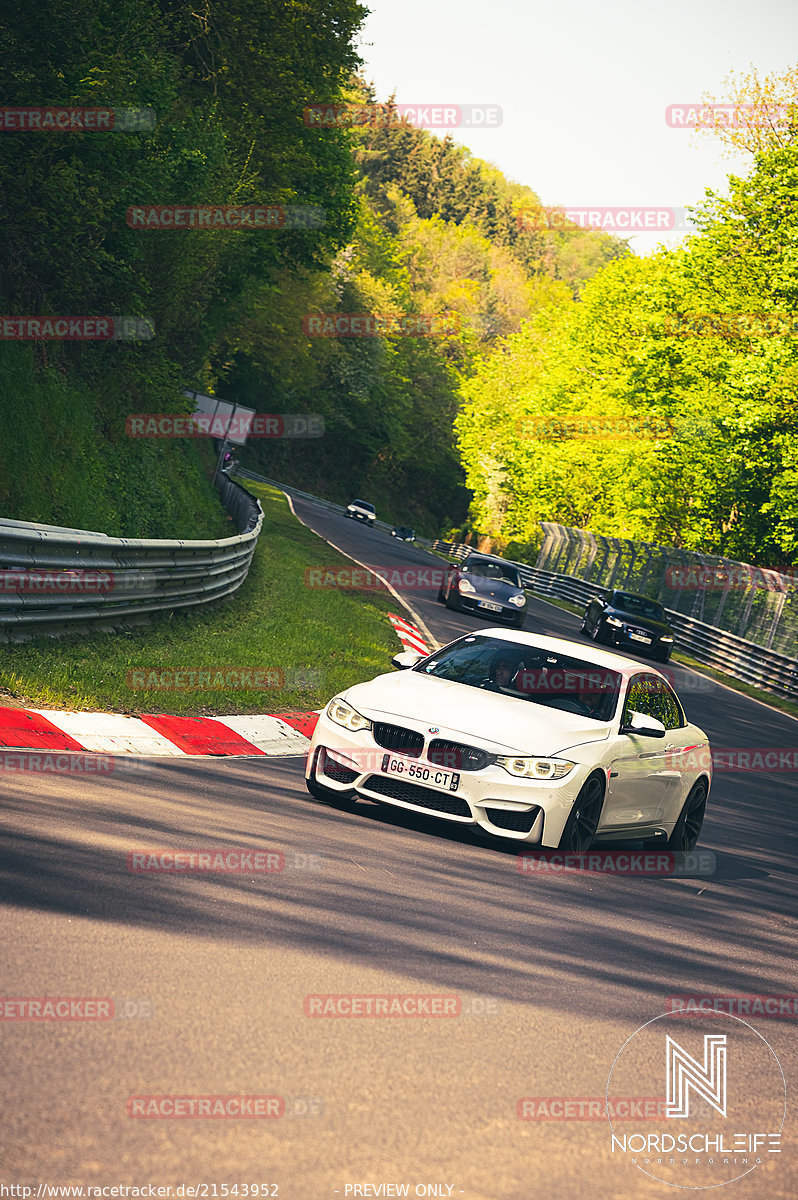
(558, 971)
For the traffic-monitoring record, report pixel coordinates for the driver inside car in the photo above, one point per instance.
(501, 673)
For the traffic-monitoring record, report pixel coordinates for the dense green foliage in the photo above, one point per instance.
(437, 232)
(541, 324)
(708, 454)
(228, 84)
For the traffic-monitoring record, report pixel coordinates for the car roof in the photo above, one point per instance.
(634, 595)
(590, 654)
(494, 558)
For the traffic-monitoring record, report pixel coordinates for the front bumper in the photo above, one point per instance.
(508, 612)
(523, 810)
(623, 638)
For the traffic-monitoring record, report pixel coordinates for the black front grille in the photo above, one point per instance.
(421, 797)
(395, 737)
(514, 821)
(337, 771)
(457, 757)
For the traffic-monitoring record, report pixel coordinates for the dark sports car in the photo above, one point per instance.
(487, 586)
(628, 620)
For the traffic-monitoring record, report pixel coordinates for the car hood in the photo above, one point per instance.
(496, 722)
(649, 623)
(499, 589)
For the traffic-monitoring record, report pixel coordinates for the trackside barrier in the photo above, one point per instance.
(55, 580)
(735, 656)
(640, 567)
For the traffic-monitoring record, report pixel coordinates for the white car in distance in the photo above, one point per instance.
(535, 739)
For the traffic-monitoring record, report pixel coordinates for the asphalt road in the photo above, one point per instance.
(553, 972)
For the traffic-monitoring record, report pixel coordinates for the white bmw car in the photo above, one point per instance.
(536, 739)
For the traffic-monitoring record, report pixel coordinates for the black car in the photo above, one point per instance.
(404, 533)
(361, 510)
(626, 619)
(487, 586)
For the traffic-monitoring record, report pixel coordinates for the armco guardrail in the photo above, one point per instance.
(741, 659)
(328, 504)
(55, 580)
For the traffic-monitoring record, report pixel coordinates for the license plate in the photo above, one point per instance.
(489, 605)
(639, 637)
(415, 772)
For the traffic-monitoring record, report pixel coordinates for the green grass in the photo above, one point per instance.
(321, 640)
(736, 685)
(65, 459)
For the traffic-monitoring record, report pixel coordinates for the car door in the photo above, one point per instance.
(644, 775)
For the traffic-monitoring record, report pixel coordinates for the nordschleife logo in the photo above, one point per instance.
(724, 1099)
(685, 1074)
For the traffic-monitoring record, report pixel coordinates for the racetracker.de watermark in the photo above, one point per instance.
(56, 1008)
(398, 1005)
(76, 329)
(765, 1004)
(40, 582)
(699, 115)
(736, 577)
(590, 1108)
(424, 116)
(76, 120)
(607, 218)
(377, 580)
(238, 861)
(17, 762)
(218, 217)
(75, 1008)
(620, 862)
(200, 425)
(731, 324)
(162, 1107)
(190, 679)
(381, 325)
(583, 426)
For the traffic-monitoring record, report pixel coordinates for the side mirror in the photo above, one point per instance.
(643, 726)
(407, 658)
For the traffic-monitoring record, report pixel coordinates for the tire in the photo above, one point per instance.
(663, 658)
(448, 599)
(580, 828)
(583, 625)
(441, 595)
(687, 829)
(594, 633)
(518, 623)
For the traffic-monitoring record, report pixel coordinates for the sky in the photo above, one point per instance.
(583, 87)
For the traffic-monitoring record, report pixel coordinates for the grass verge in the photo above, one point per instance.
(307, 643)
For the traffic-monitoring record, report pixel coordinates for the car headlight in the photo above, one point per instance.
(665, 638)
(614, 621)
(343, 714)
(536, 768)
(519, 600)
(466, 587)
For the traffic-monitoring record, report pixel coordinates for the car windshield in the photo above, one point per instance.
(363, 504)
(639, 605)
(529, 674)
(492, 570)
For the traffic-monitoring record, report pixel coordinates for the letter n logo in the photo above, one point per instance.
(684, 1073)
